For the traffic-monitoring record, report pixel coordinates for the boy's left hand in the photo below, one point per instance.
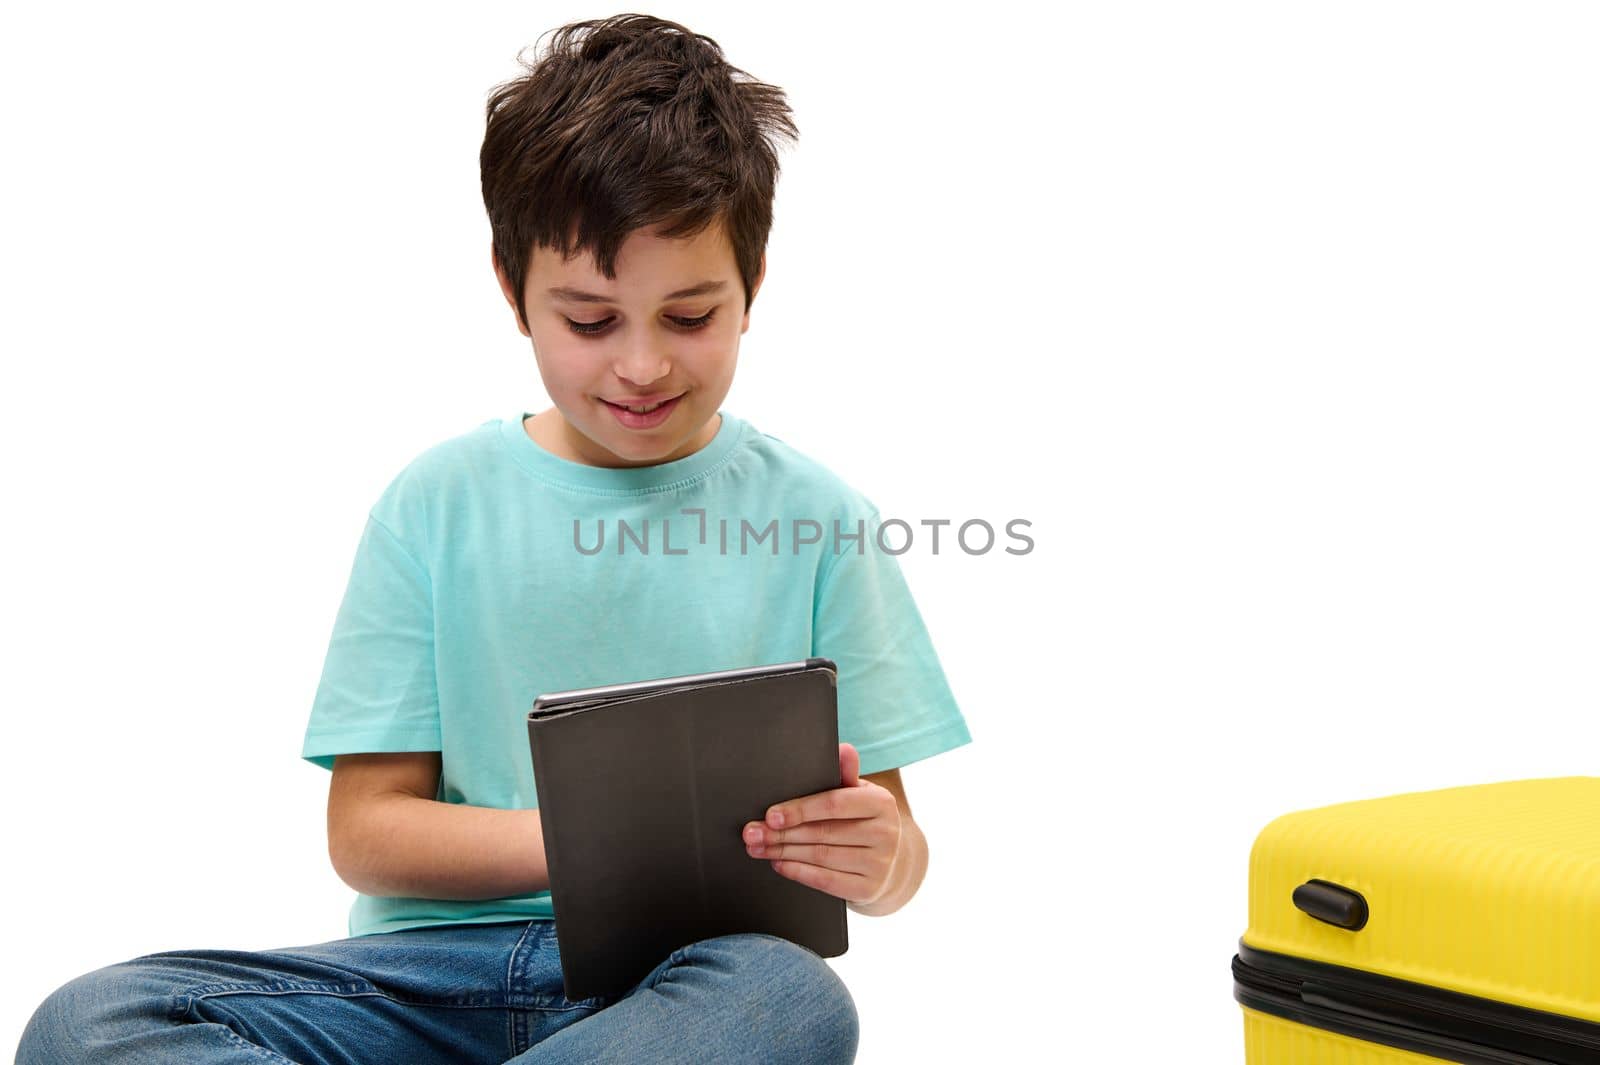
(842, 841)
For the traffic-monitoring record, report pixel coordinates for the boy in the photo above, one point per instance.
(628, 179)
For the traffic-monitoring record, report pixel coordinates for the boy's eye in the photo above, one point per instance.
(686, 324)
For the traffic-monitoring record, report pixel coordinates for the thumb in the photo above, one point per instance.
(849, 766)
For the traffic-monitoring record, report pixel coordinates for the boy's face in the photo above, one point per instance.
(636, 342)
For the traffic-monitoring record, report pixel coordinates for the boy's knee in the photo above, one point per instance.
(48, 1037)
(789, 989)
(75, 1023)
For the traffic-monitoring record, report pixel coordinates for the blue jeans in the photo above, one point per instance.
(467, 994)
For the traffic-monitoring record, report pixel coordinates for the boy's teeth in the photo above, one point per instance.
(645, 410)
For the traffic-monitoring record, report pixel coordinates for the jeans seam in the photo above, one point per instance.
(513, 1015)
(332, 987)
(528, 1001)
(184, 1000)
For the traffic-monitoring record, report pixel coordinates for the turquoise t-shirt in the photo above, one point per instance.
(491, 570)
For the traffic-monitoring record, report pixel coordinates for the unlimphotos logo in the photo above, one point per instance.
(892, 536)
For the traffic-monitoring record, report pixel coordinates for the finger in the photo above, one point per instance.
(850, 831)
(848, 886)
(865, 799)
(838, 857)
(849, 765)
(823, 806)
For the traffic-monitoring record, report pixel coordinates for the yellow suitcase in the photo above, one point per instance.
(1459, 925)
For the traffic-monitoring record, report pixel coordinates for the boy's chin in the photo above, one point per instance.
(639, 447)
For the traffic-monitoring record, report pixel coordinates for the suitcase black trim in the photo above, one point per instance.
(1410, 1016)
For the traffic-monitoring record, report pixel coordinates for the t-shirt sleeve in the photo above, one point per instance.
(378, 691)
(895, 705)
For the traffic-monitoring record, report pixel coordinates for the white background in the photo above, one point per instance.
(1277, 321)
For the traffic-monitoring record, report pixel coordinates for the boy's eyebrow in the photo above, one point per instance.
(578, 295)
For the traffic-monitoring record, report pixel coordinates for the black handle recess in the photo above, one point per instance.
(1330, 902)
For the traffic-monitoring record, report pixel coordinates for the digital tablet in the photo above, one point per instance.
(644, 790)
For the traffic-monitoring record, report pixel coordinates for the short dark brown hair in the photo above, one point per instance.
(627, 122)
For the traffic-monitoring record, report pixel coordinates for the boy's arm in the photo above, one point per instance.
(388, 835)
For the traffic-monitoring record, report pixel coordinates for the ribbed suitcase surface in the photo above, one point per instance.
(1455, 925)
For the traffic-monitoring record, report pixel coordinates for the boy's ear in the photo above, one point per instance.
(505, 289)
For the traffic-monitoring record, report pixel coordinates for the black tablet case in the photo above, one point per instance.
(644, 801)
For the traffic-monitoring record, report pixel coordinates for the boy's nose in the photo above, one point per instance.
(643, 367)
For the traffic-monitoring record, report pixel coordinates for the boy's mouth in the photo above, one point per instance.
(639, 409)
(643, 415)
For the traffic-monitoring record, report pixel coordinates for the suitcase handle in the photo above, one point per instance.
(1332, 903)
